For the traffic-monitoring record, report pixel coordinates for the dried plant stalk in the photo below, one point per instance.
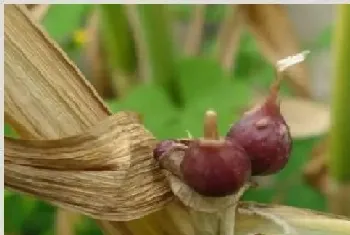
(338, 159)
(140, 42)
(195, 30)
(274, 35)
(39, 11)
(95, 59)
(65, 222)
(228, 37)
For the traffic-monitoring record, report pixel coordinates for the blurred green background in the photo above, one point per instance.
(172, 102)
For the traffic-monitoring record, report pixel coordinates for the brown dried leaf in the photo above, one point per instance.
(255, 218)
(140, 42)
(65, 222)
(275, 36)
(305, 118)
(195, 30)
(228, 37)
(46, 97)
(290, 221)
(316, 174)
(96, 64)
(315, 171)
(39, 11)
(96, 149)
(105, 173)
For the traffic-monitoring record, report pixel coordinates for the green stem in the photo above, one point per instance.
(339, 161)
(156, 31)
(118, 44)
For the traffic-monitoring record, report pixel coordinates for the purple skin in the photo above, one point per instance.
(215, 168)
(265, 136)
(162, 147)
(165, 145)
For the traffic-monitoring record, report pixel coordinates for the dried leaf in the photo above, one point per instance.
(39, 11)
(316, 174)
(255, 218)
(305, 118)
(195, 30)
(103, 147)
(118, 47)
(65, 222)
(338, 196)
(315, 171)
(46, 97)
(274, 34)
(96, 64)
(228, 37)
(140, 43)
(288, 220)
(36, 73)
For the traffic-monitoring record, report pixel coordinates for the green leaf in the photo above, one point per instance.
(263, 79)
(7, 194)
(249, 59)
(155, 31)
(182, 11)
(159, 114)
(17, 209)
(117, 36)
(214, 12)
(227, 98)
(88, 226)
(9, 131)
(288, 183)
(41, 220)
(324, 39)
(198, 76)
(63, 19)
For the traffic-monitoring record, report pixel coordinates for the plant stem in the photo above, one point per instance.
(228, 38)
(195, 30)
(119, 45)
(340, 133)
(339, 161)
(156, 31)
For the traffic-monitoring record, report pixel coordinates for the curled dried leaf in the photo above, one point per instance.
(274, 34)
(89, 172)
(229, 37)
(311, 119)
(195, 30)
(39, 11)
